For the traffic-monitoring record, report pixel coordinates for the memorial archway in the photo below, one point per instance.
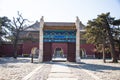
(57, 36)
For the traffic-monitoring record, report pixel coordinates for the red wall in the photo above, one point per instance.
(7, 50)
(68, 48)
(27, 46)
(88, 48)
(71, 52)
(47, 51)
(60, 45)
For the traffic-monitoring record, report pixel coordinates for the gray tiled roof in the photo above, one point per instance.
(36, 25)
(59, 24)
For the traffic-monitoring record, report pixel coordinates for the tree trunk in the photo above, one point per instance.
(15, 50)
(104, 59)
(119, 43)
(31, 58)
(112, 46)
(113, 54)
(15, 45)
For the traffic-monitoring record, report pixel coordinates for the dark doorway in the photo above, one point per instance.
(58, 55)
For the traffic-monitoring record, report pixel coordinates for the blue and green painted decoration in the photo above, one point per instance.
(59, 36)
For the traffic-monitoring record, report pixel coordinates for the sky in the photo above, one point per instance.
(59, 10)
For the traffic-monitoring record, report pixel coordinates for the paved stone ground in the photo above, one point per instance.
(60, 71)
(16, 69)
(104, 71)
(89, 69)
(80, 73)
(41, 73)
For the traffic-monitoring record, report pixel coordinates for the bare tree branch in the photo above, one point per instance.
(16, 27)
(15, 23)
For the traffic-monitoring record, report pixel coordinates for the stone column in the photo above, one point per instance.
(40, 58)
(77, 40)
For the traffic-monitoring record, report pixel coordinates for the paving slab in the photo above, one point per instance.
(61, 79)
(40, 73)
(59, 59)
(60, 69)
(61, 72)
(58, 75)
(32, 73)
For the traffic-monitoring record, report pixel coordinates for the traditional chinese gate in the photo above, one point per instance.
(59, 35)
(64, 39)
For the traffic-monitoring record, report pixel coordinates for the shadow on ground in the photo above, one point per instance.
(5, 60)
(87, 66)
(97, 67)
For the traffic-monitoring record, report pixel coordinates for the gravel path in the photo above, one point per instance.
(16, 69)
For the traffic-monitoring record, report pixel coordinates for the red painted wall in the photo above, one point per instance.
(60, 45)
(47, 51)
(27, 46)
(71, 52)
(7, 50)
(88, 48)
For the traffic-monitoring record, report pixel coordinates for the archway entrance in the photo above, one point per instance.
(58, 55)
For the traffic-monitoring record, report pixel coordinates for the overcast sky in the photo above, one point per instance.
(59, 10)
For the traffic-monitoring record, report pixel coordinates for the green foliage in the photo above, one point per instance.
(95, 33)
(4, 23)
(116, 31)
(100, 31)
(116, 22)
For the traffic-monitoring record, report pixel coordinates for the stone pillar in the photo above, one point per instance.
(40, 58)
(77, 40)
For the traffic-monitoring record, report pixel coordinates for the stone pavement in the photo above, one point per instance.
(40, 73)
(59, 71)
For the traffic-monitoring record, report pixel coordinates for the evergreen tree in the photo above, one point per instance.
(99, 31)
